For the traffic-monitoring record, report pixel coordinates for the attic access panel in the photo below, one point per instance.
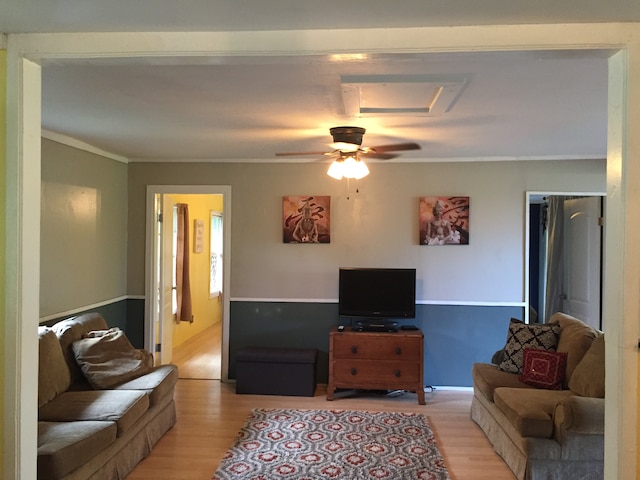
(400, 95)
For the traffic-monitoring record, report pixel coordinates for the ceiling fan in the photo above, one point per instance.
(347, 150)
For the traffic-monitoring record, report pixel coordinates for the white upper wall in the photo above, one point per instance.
(377, 227)
(83, 244)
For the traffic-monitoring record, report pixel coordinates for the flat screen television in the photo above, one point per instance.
(384, 293)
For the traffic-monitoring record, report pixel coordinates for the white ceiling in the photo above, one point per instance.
(512, 104)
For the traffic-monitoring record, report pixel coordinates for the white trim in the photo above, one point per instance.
(22, 267)
(418, 302)
(86, 308)
(565, 192)
(146, 45)
(80, 145)
(621, 302)
(284, 300)
(23, 121)
(450, 388)
(372, 160)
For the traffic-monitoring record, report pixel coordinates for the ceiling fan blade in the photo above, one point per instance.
(380, 156)
(297, 154)
(395, 147)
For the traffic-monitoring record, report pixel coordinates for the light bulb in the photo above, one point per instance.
(336, 169)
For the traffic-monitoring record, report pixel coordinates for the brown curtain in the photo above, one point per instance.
(183, 283)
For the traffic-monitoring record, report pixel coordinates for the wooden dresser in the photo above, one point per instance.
(376, 361)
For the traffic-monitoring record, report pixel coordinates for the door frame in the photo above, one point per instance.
(527, 240)
(151, 271)
(25, 53)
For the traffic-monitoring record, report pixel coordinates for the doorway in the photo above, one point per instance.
(197, 344)
(565, 256)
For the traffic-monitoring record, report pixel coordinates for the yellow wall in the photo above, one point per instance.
(206, 311)
(3, 166)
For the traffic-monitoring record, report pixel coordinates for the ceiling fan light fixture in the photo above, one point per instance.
(349, 135)
(335, 169)
(345, 147)
(348, 167)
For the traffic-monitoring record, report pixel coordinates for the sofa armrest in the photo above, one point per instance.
(579, 428)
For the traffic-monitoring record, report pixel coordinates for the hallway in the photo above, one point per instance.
(199, 357)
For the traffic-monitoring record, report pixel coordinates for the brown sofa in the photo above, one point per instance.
(98, 434)
(542, 433)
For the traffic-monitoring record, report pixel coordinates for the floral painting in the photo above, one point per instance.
(306, 219)
(444, 220)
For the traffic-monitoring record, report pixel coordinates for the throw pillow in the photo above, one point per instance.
(543, 369)
(521, 336)
(497, 357)
(588, 377)
(53, 373)
(107, 358)
(575, 339)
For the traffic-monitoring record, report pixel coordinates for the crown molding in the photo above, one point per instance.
(80, 145)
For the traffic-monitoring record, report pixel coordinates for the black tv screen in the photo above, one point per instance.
(377, 292)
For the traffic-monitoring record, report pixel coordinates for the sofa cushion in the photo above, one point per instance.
(486, 378)
(107, 358)
(124, 407)
(521, 336)
(65, 446)
(158, 383)
(71, 330)
(543, 369)
(53, 372)
(588, 377)
(575, 339)
(530, 410)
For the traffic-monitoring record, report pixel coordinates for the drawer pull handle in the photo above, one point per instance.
(354, 349)
(397, 373)
(354, 371)
(398, 350)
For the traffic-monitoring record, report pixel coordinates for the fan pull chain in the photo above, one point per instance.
(349, 188)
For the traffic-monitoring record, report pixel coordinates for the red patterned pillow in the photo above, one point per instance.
(543, 368)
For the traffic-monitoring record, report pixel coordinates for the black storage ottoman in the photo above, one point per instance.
(276, 371)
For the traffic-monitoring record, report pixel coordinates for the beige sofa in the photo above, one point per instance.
(86, 433)
(542, 433)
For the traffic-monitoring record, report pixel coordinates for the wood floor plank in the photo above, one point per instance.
(210, 414)
(200, 356)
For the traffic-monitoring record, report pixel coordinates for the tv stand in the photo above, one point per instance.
(376, 361)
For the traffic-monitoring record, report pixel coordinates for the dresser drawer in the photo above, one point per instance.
(390, 373)
(371, 347)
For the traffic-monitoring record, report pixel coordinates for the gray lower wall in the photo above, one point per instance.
(455, 336)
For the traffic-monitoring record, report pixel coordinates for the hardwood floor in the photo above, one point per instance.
(199, 356)
(210, 415)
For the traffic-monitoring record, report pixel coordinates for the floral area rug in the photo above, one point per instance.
(333, 444)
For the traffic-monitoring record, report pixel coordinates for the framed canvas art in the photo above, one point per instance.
(306, 219)
(444, 220)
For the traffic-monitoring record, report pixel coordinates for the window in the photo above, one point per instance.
(215, 255)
